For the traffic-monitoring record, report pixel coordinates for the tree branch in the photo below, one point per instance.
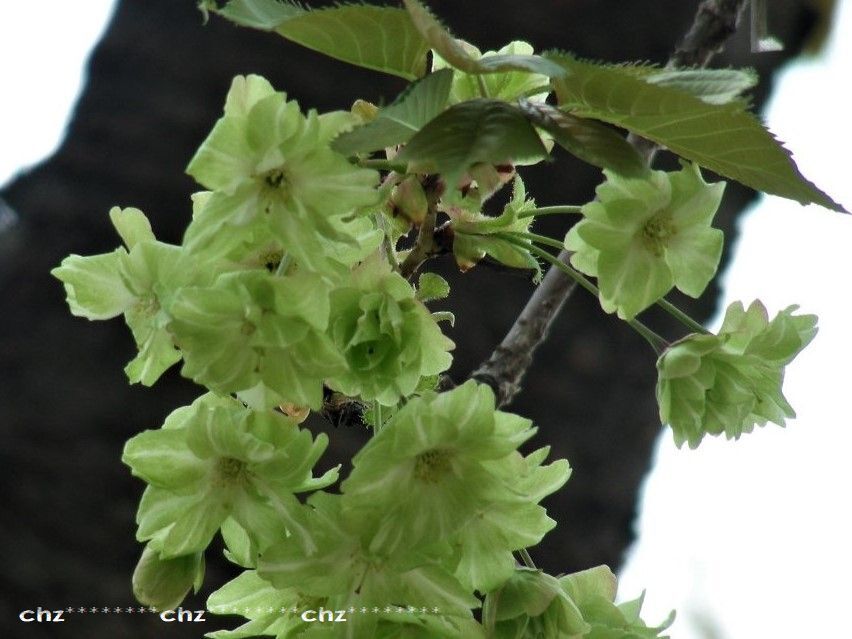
(715, 22)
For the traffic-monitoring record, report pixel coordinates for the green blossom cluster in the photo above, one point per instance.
(730, 382)
(265, 298)
(290, 290)
(435, 505)
(643, 236)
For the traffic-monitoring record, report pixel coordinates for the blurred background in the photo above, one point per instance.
(104, 102)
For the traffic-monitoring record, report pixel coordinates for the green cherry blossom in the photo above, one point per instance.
(252, 331)
(341, 569)
(388, 337)
(272, 173)
(138, 281)
(532, 603)
(217, 459)
(444, 460)
(643, 236)
(730, 382)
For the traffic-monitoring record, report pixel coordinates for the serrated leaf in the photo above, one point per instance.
(259, 14)
(476, 131)
(432, 286)
(590, 141)
(714, 86)
(399, 121)
(722, 137)
(456, 56)
(379, 38)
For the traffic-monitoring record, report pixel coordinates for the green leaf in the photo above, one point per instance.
(591, 141)
(714, 86)
(432, 286)
(259, 14)
(476, 131)
(378, 38)
(400, 120)
(457, 56)
(722, 137)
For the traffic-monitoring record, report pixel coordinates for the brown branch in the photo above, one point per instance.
(715, 22)
(505, 369)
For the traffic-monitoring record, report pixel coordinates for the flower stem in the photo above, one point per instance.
(657, 342)
(541, 239)
(377, 416)
(525, 557)
(682, 317)
(551, 210)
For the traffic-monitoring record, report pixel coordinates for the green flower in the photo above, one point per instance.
(485, 543)
(388, 337)
(593, 591)
(138, 282)
(253, 331)
(641, 237)
(259, 601)
(342, 566)
(730, 382)
(533, 605)
(444, 460)
(217, 459)
(273, 174)
(507, 86)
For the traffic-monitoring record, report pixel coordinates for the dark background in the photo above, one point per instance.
(156, 84)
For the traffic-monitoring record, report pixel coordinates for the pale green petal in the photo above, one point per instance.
(94, 286)
(225, 158)
(630, 282)
(132, 225)
(245, 92)
(694, 258)
(162, 458)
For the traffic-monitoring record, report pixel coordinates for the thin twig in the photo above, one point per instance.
(715, 22)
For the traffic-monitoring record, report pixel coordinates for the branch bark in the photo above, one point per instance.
(715, 22)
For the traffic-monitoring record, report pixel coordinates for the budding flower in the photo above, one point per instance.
(409, 200)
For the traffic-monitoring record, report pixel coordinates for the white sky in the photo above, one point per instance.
(43, 48)
(751, 536)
